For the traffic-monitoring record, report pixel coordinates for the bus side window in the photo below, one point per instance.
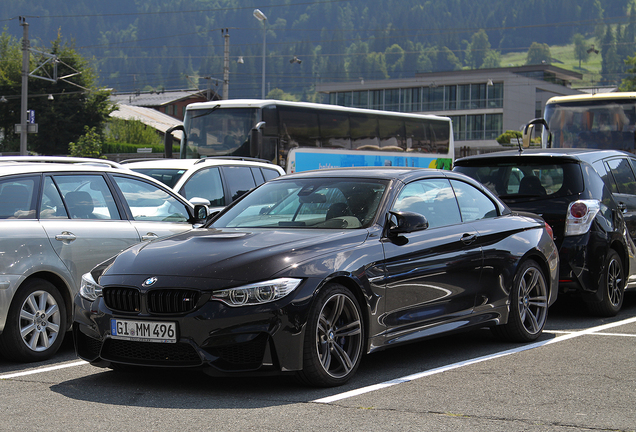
(364, 131)
(298, 127)
(334, 129)
(392, 135)
(416, 137)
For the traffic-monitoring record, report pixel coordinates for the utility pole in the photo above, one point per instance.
(25, 86)
(226, 65)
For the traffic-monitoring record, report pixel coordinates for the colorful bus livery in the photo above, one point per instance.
(302, 136)
(305, 159)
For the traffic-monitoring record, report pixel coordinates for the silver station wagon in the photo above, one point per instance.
(59, 217)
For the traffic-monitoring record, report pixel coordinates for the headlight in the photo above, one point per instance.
(89, 289)
(257, 293)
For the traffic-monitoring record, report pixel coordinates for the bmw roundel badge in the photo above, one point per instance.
(149, 282)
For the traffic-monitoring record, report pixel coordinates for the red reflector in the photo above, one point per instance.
(578, 210)
(548, 228)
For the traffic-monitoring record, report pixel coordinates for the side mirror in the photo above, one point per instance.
(199, 201)
(200, 213)
(528, 129)
(256, 140)
(405, 222)
(167, 140)
(526, 135)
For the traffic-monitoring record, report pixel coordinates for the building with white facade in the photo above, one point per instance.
(482, 103)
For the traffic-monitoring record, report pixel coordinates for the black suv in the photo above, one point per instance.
(589, 199)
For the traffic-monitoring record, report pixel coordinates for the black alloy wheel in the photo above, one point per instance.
(334, 338)
(528, 305)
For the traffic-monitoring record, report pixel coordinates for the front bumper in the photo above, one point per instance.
(222, 340)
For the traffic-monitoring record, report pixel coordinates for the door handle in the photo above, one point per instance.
(66, 237)
(149, 236)
(468, 238)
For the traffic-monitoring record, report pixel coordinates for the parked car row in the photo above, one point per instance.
(308, 272)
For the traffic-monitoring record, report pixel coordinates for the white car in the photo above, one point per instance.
(219, 180)
(59, 218)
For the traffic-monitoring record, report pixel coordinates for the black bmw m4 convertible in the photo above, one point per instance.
(309, 272)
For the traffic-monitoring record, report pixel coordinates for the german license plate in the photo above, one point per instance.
(143, 331)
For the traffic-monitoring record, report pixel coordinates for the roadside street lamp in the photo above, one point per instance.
(262, 18)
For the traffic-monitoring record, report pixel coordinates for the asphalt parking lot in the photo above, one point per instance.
(578, 377)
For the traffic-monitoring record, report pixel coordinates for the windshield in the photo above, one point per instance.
(599, 124)
(167, 176)
(308, 203)
(218, 132)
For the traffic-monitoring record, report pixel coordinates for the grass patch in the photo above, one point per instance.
(563, 57)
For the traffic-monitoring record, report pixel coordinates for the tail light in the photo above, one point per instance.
(580, 216)
(549, 230)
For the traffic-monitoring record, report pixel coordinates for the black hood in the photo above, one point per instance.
(232, 254)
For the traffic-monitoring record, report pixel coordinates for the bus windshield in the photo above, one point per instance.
(218, 131)
(600, 123)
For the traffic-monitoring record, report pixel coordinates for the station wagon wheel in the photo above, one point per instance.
(334, 338)
(528, 305)
(612, 286)
(36, 322)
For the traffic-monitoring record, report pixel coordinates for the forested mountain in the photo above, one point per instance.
(171, 44)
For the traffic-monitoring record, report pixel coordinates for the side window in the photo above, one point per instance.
(147, 202)
(86, 197)
(16, 198)
(258, 176)
(205, 183)
(433, 198)
(52, 206)
(270, 174)
(623, 175)
(239, 180)
(473, 204)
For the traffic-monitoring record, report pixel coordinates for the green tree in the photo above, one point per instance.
(628, 84)
(278, 94)
(88, 145)
(611, 65)
(132, 132)
(580, 48)
(74, 102)
(478, 49)
(539, 53)
(492, 60)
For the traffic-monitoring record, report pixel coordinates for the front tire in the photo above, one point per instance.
(334, 338)
(36, 323)
(613, 286)
(528, 305)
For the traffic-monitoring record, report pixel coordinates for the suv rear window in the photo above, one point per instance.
(527, 179)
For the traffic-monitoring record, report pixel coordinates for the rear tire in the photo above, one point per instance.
(334, 338)
(613, 286)
(528, 305)
(36, 323)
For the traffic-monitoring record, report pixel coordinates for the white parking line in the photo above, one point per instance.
(435, 371)
(595, 334)
(40, 370)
